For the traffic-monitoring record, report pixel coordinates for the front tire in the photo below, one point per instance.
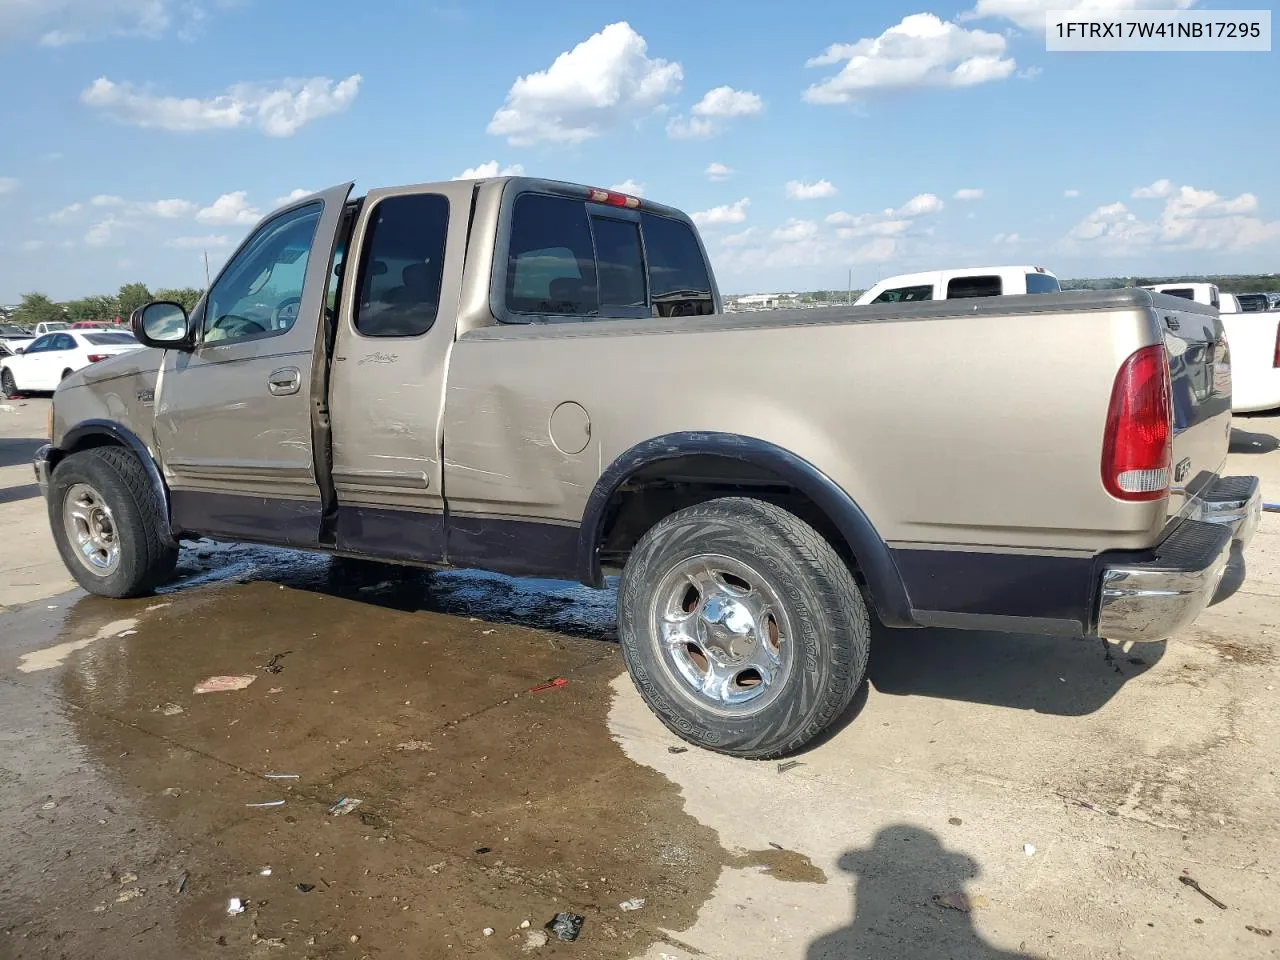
(742, 628)
(108, 523)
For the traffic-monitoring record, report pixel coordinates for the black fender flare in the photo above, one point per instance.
(127, 438)
(884, 583)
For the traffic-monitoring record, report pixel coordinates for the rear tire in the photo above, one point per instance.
(108, 523)
(8, 386)
(742, 628)
(66, 373)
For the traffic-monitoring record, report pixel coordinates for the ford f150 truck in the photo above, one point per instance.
(536, 378)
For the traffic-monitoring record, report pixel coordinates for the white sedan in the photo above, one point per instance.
(49, 359)
(1254, 339)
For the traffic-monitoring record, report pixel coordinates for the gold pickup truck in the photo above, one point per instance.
(537, 378)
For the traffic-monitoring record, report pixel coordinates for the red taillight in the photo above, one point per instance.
(613, 199)
(95, 357)
(1137, 451)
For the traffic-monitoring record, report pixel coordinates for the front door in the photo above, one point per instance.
(234, 415)
(391, 352)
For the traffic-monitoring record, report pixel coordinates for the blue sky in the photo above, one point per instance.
(879, 137)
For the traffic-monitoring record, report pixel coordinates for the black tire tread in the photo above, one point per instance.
(148, 557)
(8, 384)
(842, 608)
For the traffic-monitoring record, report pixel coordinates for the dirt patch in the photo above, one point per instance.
(1234, 651)
(782, 865)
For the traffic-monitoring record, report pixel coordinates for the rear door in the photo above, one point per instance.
(234, 416)
(62, 357)
(391, 352)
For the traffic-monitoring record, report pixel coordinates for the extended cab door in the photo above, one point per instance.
(391, 352)
(233, 416)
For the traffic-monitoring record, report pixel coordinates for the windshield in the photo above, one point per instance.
(8, 330)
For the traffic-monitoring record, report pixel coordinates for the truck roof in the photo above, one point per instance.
(931, 276)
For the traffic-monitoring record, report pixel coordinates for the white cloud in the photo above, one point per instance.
(727, 213)
(718, 171)
(1006, 239)
(1071, 193)
(920, 205)
(605, 81)
(230, 209)
(30, 245)
(691, 128)
(794, 231)
(921, 51)
(58, 23)
(208, 242)
(490, 169)
(131, 209)
(292, 196)
(66, 213)
(106, 200)
(630, 187)
(740, 239)
(1191, 219)
(171, 209)
(970, 193)
(105, 233)
(728, 102)
(278, 111)
(8, 185)
(873, 227)
(819, 190)
(1030, 14)
(1157, 191)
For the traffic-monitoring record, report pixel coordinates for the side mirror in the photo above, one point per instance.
(162, 324)
(19, 349)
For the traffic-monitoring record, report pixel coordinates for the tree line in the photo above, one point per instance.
(105, 308)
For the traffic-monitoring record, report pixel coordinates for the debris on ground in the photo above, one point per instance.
(276, 690)
(266, 803)
(223, 684)
(131, 894)
(264, 872)
(482, 850)
(281, 776)
(487, 931)
(635, 903)
(413, 746)
(182, 884)
(1029, 850)
(524, 924)
(235, 907)
(960, 901)
(566, 926)
(344, 805)
(306, 887)
(1195, 885)
(677, 749)
(273, 665)
(776, 846)
(171, 709)
(126, 633)
(127, 878)
(1260, 931)
(171, 792)
(788, 765)
(49, 805)
(955, 821)
(535, 940)
(552, 685)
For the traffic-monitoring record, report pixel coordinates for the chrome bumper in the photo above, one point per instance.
(1154, 598)
(43, 463)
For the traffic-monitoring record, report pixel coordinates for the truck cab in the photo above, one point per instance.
(961, 284)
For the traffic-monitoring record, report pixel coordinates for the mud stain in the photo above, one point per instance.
(782, 865)
(511, 806)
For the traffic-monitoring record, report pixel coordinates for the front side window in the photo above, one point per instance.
(679, 282)
(905, 295)
(961, 288)
(41, 344)
(1042, 283)
(551, 263)
(259, 291)
(402, 266)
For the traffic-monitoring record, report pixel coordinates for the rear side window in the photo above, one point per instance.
(961, 288)
(110, 339)
(402, 266)
(1042, 283)
(551, 263)
(679, 283)
(64, 341)
(905, 295)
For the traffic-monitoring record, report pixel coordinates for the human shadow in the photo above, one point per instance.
(913, 899)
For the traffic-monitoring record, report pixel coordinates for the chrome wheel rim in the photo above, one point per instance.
(91, 530)
(723, 633)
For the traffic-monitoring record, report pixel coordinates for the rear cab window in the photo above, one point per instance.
(906, 294)
(961, 288)
(1042, 283)
(571, 259)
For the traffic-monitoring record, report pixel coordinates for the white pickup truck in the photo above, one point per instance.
(1254, 341)
(961, 284)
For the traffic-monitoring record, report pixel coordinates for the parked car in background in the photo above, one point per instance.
(50, 326)
(961, 284)
(1254, 339)
(486, 391)
(50, 359)
(14, 336)
(1206, 293)
(90, 325)
(1253, 302)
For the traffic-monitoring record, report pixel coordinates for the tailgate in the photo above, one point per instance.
(1200, 373)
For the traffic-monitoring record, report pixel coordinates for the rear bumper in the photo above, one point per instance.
(1154, 598)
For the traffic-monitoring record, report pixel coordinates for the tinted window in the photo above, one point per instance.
(1186, 293)
(41, 344)
(679, 283)
(260, 289)
(63, 342)
(962, 288)
(1042, 283)
(111, 339)
(619, 263)
(402, 266)
(905, 295)
(55, 325)
(551, 267)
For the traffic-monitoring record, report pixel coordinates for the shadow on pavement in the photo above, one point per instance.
(1234, 577)
(14, 452)
(1242, 441)
(27, 491)
(912, 899)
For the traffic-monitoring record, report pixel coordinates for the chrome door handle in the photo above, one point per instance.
(284, 381)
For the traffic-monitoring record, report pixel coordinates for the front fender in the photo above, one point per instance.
(884, 582)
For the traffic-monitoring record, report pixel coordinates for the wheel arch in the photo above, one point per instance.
(700, 465)
(107, 433)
